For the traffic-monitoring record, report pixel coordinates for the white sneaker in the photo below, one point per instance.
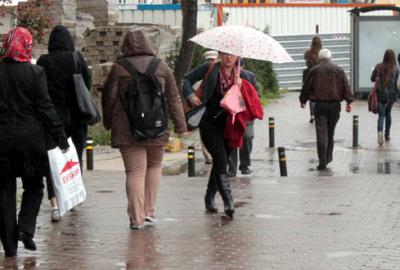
(380, 138)
(55, 215)
(151, 219)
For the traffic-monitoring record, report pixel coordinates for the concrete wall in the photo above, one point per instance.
(7, 21)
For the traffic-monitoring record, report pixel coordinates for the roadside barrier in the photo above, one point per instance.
(282, 161)
(89, 153)
(271, 132)
(355, 131)
(191, 161)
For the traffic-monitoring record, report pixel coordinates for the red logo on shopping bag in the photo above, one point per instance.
(68, 166)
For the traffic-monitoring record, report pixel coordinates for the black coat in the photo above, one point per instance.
(25, 109)
(59, 65)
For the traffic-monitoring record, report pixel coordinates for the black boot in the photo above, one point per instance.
(209, 201)
(212, 189)
(225, 190)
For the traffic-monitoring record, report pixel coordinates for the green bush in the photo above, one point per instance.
(100, 137)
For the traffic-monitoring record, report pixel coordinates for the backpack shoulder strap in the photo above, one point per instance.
(128, 66)
(153, 65)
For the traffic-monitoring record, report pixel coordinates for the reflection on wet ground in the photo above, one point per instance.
(345, 162)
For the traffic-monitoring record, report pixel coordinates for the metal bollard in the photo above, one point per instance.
(355, 131)
(271, 132)
(282, 161)
(89, 153)
(191, 161)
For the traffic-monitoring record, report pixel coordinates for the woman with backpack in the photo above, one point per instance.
(311, 58)
(387, 92)
(142, 157)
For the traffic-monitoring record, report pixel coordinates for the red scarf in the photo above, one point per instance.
(226, 80)
(18, 45)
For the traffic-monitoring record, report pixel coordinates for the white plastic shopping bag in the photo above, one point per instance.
(67, 177)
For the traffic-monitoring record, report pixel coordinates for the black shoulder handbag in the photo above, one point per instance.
(88, 110)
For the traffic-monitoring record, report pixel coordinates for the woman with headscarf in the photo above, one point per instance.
(25, 107)
(387, 92)
(217, 131)
(312, 59)
(60, 66)
(142, 158)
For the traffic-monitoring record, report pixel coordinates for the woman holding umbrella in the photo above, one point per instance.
(216, 128)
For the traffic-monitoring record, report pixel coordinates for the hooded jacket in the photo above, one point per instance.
(60, 66)
(138, 51)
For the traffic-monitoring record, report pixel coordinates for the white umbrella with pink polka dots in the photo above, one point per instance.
(243, 41)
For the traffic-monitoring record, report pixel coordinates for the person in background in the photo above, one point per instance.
(142, 158)
(25, 109)
(212, 58)
(245, 150)
(311, 57)
(59, 66)
(327, 86)
(387, 92)
(216, 128)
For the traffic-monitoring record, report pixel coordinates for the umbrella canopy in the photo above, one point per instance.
(243, 41)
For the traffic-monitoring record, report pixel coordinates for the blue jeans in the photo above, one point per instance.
(385, 111)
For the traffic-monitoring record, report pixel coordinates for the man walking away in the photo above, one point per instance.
(327, 86)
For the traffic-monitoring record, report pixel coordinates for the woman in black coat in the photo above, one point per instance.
(59, 65)
(25, 108)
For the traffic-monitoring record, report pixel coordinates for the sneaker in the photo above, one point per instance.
(311, 119)
(55, 215)
(75, 208)
(387, 138)
(151, 219)
(380, 138)
(134, 227)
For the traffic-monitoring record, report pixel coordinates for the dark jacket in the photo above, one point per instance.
(326, 82)
(25, 108)
(391, 92)
(59, 65)
(138, 51)
(212, 87)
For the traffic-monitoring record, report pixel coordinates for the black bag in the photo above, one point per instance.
(144, 102)
(89, 113)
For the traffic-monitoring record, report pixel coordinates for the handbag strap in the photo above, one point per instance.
(377, 78)
(203, 83)
(76, 60)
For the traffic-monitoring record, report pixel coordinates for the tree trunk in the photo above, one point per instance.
(189, 30)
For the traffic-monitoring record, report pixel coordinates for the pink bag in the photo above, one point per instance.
(233, 100)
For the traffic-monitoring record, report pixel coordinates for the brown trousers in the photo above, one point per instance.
(143, 175)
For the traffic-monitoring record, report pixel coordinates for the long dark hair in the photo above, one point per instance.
(388, 64)
(311, 55)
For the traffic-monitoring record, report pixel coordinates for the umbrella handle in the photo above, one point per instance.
(238, 70)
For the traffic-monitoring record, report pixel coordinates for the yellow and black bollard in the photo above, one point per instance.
(282, 161)
(89, 153)
(355, 131)
(271, 132)
(191, 161)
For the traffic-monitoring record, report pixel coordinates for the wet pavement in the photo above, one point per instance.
(346, 217)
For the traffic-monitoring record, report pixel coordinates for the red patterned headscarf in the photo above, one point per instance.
(18, 45)
(226, 80)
